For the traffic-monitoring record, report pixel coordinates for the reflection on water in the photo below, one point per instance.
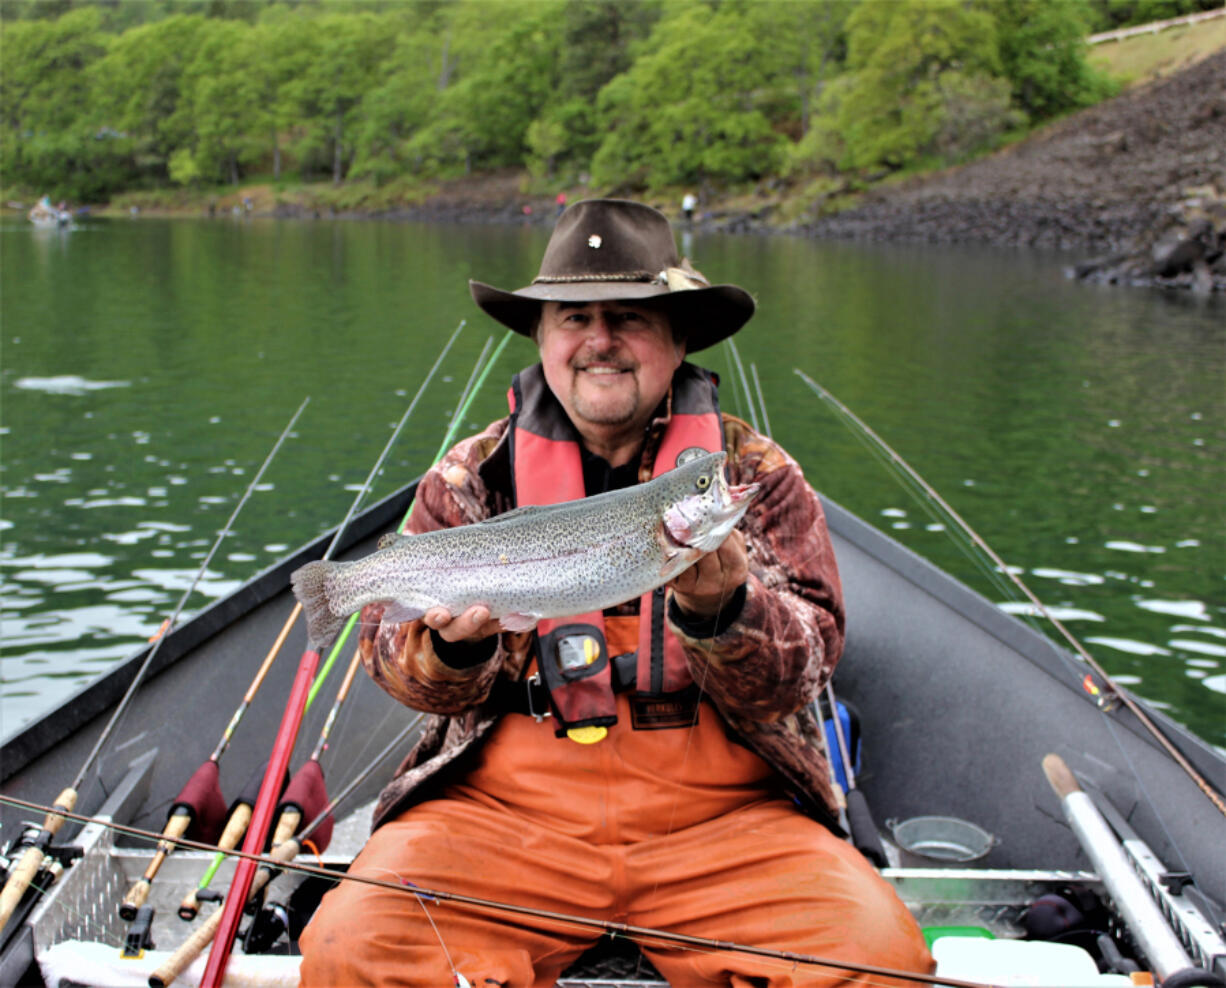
(149, 366)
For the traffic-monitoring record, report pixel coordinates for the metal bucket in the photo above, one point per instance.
(934, 841)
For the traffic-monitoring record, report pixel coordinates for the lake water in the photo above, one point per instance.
(148, 366)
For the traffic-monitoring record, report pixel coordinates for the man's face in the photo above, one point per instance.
(608, 363)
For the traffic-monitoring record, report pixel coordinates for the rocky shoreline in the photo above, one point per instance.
(1137, 182)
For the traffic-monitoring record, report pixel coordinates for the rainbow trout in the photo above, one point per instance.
(537, 562)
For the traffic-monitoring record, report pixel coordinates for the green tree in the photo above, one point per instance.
(144, 91)
(48, 139)
(1043, 53)
(808, 49)
(914, 63)
(501, 71)
(598, 42)
(401, 103)
(345, 57)
(689, 109)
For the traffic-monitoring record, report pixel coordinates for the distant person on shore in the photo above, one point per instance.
(561, 201)
(688, 202)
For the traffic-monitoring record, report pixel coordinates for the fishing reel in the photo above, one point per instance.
(55, 857)
(287, 919)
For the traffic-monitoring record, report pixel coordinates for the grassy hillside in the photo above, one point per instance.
(1148, 56)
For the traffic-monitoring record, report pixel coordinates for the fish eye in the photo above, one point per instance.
(702, 483)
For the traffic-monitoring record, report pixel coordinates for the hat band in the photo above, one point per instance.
(579, 278)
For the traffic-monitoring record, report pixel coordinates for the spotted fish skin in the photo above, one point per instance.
(537, 562)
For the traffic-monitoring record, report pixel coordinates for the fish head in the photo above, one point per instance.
(704, 508)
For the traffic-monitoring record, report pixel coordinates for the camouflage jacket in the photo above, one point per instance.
(761, 672)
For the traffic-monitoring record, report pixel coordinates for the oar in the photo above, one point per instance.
(1144, 919)
(20, 877)
(287, 733)
(863, 828)
(849, 416)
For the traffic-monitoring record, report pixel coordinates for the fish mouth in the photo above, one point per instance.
(738, 493)
(679, 528)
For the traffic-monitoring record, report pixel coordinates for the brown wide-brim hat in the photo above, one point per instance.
(616, 250)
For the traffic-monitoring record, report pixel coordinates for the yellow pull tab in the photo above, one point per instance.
(587, 735)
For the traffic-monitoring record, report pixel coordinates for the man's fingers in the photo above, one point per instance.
(437, 618)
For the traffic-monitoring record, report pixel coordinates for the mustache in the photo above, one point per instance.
(609, 358)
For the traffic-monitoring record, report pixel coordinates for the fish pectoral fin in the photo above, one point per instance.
(677, 561)
(518, 621)
(398, 611)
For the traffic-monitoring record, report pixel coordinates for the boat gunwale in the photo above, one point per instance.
(1026, 642)
(93, 698)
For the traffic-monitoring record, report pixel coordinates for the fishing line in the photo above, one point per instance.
(736, 354)
(822, 743)
(949, 524)
(476, 380)
(1143, 718)
(125, 703)
(612, 929)
(215, 971)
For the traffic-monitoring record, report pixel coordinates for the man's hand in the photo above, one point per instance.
(471, 626)
(703, 589)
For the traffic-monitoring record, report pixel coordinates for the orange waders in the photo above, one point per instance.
(675, 829)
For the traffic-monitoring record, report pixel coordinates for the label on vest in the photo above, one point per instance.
(662, 711)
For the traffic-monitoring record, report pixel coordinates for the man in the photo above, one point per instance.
(676, 782)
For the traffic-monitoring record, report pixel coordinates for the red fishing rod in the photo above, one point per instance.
(178, 824)
(200, 806)
(283, 853)
(287, 734)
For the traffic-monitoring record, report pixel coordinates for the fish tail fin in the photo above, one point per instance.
(309, 585)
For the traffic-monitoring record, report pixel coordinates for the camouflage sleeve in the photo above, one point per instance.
(400, 657)
(783, 646)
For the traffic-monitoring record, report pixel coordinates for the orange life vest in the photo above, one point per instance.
(573, 657)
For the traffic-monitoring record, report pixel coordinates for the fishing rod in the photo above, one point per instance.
(857, 813)
(613, 929)
(31, 860)
(849, 416)
(205, 785)
(307, 786)
(285, 853)
(287, 732)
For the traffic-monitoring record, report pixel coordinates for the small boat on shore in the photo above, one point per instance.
(958, 704)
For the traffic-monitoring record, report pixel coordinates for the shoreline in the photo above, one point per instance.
(1135, 185)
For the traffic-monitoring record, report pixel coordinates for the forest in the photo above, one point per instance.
(623, 95)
